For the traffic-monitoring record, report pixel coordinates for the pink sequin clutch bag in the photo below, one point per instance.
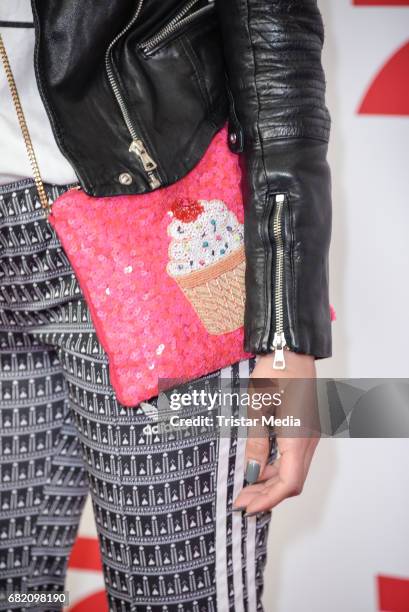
(163, 274)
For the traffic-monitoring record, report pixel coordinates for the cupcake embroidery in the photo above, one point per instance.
(207, 261)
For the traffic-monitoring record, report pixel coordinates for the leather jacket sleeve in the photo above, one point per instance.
(279, 124)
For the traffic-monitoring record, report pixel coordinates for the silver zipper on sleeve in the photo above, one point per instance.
(137, 146)
(279, 341)
(178, 21)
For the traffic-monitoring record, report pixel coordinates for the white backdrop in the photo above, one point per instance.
(328, 546)
(350, 524)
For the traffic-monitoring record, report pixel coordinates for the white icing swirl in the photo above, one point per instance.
(197, 244)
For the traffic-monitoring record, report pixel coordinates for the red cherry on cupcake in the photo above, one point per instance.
(186, 209)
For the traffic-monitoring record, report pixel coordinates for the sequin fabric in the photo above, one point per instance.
(201, 241)
(132, 256)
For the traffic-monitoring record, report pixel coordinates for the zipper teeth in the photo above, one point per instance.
(111, 76)
(171, 27)
(154, 181)
(279, 273)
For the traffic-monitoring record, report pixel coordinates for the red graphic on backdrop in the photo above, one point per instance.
(393, 594)
(381, 2)
(388, 93)
(85, 556)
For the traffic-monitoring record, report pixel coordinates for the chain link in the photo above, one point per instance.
(24, 129)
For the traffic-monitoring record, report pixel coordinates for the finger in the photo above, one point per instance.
(252, 492)
(258, 441)
(269, 472)
(289, 482)
(266, 500)
(257, 452)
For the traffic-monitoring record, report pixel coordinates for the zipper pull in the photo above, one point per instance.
(279, 343)
(138, 148)
(153, 181)
(148, 163)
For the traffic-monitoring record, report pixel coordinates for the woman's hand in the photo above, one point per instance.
(270, 484)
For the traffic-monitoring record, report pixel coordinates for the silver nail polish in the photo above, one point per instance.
(252, 471)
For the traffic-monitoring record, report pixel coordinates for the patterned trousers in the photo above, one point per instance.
(162, 502)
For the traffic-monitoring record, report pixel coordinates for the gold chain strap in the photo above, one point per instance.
(24, 129)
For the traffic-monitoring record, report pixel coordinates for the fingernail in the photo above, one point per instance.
(239, 508)
(252, 471)
(250, 514)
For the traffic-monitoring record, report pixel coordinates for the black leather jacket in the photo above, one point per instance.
(135, 91)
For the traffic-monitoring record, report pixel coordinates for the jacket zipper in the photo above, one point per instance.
(279, 341)
(137, 145)
(177, 22)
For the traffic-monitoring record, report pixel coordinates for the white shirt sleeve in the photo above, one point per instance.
(14, 164)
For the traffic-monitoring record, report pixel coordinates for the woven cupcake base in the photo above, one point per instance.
(217, 293)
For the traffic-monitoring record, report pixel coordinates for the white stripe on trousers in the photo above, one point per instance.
(222, 595)
(250, 545)
(237, 517)
(251, 564)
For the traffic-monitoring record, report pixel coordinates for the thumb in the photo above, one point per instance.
(257, 454)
